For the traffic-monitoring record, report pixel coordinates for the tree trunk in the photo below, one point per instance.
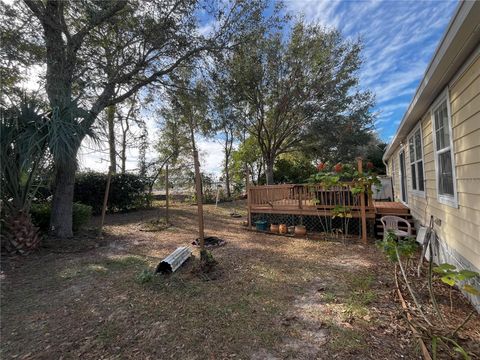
(269, 171)
(111, 138)
(61, 216)
(227, 178)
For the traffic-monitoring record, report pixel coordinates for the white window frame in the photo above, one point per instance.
(444, 199)
(416, 192)
(400, 180)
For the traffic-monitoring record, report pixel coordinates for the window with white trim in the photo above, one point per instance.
(443, 150)
(416, 161)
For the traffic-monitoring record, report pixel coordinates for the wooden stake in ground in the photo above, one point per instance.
(166, 194)
(105, 199)
(247, 188)
(198, 186)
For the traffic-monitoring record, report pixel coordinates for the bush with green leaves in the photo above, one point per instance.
(127, 191)
(405, 247)
(41, 215)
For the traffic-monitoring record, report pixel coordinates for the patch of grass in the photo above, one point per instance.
(344, 339)
(145, 276)
(70, 272)
(362, 282)
(108, 333)
(97, 268)
(360, 295)
(357, 303)
(329, 297)
(124, 262)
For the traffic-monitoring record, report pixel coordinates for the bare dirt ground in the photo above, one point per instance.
(271, 297)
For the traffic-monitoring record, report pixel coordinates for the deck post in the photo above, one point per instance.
(300, 193)
(362, 204)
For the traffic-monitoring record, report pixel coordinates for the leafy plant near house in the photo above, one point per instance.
(440, 335)
(338, 177)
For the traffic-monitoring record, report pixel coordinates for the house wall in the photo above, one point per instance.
(457, 228)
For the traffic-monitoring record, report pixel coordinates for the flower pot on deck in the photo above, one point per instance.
(261, 225)
(300, 230)
(274, 228)
(282, 228)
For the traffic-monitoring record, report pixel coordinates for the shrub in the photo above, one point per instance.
(41, 215)
(144, 277)
(127, 191)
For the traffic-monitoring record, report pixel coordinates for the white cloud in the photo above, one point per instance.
(211, 156)
(399, 39)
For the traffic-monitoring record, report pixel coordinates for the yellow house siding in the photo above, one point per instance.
(458, 227)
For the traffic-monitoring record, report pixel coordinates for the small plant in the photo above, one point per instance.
(451, 276)
(145, 276)
(207, 261)
(405, 248)
(341, 212)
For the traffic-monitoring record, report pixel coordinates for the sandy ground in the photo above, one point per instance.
(271, 297)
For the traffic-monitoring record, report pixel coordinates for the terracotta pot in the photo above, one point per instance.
(300, 230)
(282, 229)
(274, 228)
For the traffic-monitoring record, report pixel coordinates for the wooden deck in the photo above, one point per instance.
(390, 207)
(315, 200)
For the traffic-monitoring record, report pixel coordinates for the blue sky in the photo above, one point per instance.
(399, 39)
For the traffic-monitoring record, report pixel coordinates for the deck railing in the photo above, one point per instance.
(306, 196)
(311, 199)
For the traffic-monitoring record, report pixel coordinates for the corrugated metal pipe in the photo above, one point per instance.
(173, 261)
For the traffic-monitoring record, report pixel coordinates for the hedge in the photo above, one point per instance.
(41, 215)
(127, 191)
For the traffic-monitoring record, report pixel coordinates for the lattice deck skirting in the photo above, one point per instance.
(316, 223)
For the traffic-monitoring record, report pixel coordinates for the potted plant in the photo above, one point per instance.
(300, 230)
(274, 228)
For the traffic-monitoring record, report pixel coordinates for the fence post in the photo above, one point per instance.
(300, 197)
(362, 203)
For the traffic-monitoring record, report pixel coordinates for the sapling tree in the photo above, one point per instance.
(188, 104)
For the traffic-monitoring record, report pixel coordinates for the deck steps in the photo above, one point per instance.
(392, 209)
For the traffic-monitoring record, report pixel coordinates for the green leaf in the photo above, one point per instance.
(467, 274)
(471, 289)
(444, 268)
(461, 351)
(448, 279)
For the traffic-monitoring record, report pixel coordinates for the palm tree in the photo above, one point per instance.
(22, 155)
